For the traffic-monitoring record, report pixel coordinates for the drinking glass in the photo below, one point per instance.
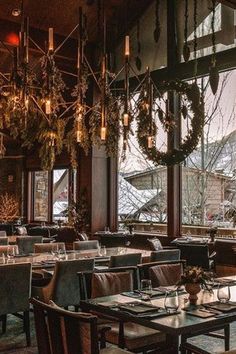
(2, 258)
(223, 293)
(62, 253)
(10, 253)
(103, 251)
(171, 302)
(54, 251)
(146, 289)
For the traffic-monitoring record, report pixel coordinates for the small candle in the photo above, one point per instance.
(48, 107)
(27, 103)
(50, 39)
(79, 136)
(126, 119)
(127, 49)
(150, 142)
(78, 59)
(103, 133)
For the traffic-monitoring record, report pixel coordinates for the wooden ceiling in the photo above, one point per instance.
(62, 15)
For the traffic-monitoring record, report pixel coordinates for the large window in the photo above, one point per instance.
(40, 196)
(209, 188)
(60, 193)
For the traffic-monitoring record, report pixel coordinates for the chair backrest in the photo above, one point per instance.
(109, 282)
(4, 249)
(144, 267)
(15, 280)
(3, 240)
(165, 274)
(26, 243)
(64, 287)
(86, 245)
(63, 332)
(165, 255)
(195, 255)
(3, 233)
(48, 247)
(125, 260)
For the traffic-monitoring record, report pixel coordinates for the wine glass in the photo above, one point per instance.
(2, 258)
(223, 294)
(10, 253)
(146, 289)
(54, 250)
(103, 251)
(171, 302)
(62, 252)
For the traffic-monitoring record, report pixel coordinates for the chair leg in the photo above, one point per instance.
(3, 318)
(26, 321)
(76, 308)
(227, 337)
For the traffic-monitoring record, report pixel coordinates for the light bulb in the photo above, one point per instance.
(126, 119)
(48, 106)
(103, 133)
(150, 142)
(79, 136)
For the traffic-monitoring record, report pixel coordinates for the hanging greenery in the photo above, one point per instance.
(189, 143)
(157, 30)
(138, 61)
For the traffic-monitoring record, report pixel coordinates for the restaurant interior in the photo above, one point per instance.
(118, 176)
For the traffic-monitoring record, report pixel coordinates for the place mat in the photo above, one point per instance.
(138, 308)
(200, 313)
(136, 294)
(223, 307)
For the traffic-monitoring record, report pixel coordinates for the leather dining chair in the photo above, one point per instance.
(3, 241)
(165, 255)
(60, 331)
(165, 274)
(85, 245)
(26, 243)
(15, 280)
(64, 287)
(129, 335)
(197, 255)
(48, 247)
(3, 233)
(125, 260)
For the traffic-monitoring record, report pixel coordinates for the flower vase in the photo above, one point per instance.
(193, 289)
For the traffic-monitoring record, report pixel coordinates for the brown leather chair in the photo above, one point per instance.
(144, 269)
(134, 337)
(165, 255)
(197, 255)
(59, 331)
(165, 274)
(26, 243)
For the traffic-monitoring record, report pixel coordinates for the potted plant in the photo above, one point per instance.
(192, 279)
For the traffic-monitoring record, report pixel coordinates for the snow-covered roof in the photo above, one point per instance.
(132, 199)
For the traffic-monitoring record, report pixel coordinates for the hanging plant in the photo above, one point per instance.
(186, 49)
(190, 142)
(214, 73)
(157, 30)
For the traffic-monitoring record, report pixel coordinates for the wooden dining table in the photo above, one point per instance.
(48, 260)
(178, 326)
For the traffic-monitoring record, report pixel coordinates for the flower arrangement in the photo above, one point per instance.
(194, 275)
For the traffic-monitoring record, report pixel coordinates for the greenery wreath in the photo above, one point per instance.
(190, 142)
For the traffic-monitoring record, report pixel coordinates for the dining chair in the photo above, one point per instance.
(48, 247)
(197, 255)
(26, 243)
(86, 245)
(144, 268)
(59, 331)
(165, 255)
(125, 260)
(129, 335)
(4, 249)
(165, 274)
(3, 233)
(3, 240)
(64, 286)
(15, 280)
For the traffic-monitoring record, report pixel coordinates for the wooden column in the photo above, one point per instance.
(174, 187)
